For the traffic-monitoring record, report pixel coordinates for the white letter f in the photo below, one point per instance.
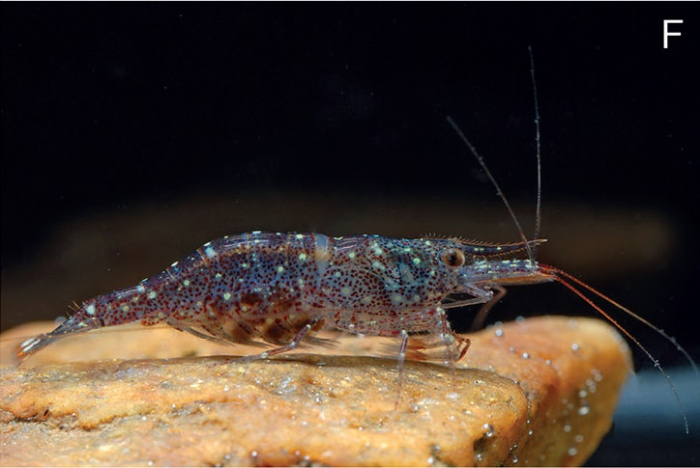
(667, 34)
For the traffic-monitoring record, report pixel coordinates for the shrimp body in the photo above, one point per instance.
(277, 288)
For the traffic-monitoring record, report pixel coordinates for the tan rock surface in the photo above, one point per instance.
(537, 392)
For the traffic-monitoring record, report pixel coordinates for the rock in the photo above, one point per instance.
(540, 391)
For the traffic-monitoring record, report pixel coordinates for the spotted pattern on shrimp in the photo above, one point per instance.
(276, 288)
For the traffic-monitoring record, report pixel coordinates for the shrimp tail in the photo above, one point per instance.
(75, 324)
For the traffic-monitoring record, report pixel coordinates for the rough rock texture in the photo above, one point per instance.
(537, 392)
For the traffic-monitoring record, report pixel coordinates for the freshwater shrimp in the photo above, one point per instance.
(279, 289)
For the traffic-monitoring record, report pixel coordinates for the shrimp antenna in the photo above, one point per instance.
(538, 206)
(558, 275)
(495, 184)
(530, 250)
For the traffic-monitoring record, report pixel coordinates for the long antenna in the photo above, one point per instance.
(538, 207)
(557, 275)
(495, 184)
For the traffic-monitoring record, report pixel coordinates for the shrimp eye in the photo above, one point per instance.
(453, 258)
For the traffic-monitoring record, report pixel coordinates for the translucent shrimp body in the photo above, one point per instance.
(278, 288)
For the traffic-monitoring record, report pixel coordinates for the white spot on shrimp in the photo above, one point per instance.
(186, 283)
(218, 276)
(416, 261)
(227, 296)
(280, 269)
(397, 298)
(125, 308)
(345, 291)
(299, 236)
(302, 256)
(406, 273)
(174, 264)
(90, 310)
(351, 255)
(210, 251)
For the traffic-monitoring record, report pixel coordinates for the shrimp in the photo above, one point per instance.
(279, 289)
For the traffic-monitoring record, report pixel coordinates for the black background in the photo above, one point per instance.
(104, 106)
